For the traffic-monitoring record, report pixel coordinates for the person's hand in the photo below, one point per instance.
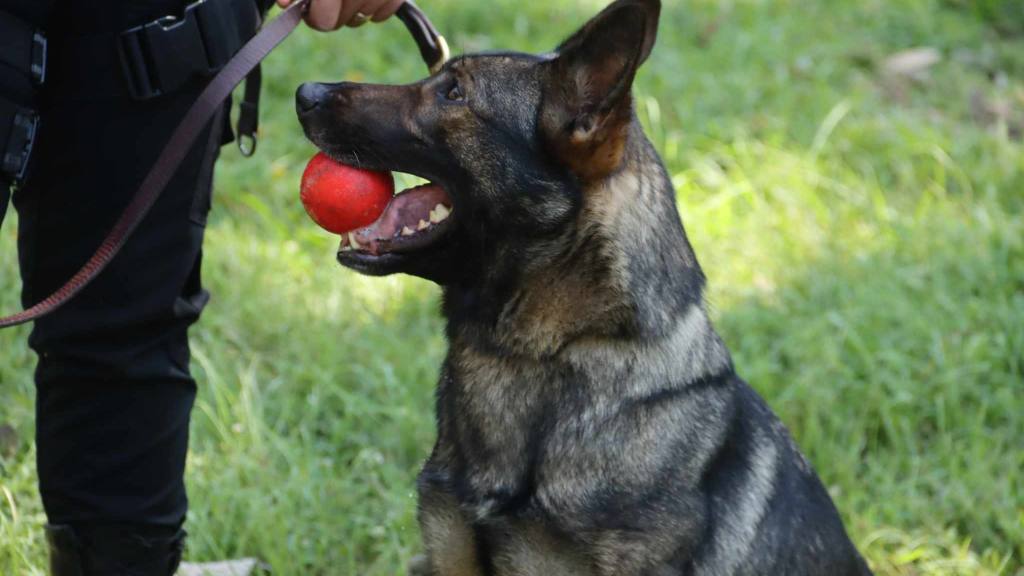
(327, 15)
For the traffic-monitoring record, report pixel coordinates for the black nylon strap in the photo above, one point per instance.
(226, 27)
(249, 112)
(16, 43)
(8, 110)
(34, 12)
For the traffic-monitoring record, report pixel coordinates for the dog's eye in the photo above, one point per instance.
(455, 93)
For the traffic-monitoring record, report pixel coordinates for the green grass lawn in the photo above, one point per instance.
(863, 237)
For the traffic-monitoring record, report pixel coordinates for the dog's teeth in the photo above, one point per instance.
(346, 248)
(422, 225)
(439, 213)
(406, 231)
(352, 239)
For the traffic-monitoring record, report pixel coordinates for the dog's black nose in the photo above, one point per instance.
(309, 96)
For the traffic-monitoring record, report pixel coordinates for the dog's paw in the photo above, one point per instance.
(420, 566)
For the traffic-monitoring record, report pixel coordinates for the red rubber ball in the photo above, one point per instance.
(341, 198)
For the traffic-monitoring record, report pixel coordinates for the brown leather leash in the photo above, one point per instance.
(432, 47)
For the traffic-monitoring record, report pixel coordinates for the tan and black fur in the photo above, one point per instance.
(590, 421)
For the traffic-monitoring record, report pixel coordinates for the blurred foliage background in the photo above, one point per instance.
(851, 174)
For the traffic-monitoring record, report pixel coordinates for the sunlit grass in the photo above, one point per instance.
(864, 247)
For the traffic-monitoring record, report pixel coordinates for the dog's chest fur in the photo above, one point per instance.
(571, 371)
(594, 381)
(532, 433)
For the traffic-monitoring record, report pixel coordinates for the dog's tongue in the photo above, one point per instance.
(413, 209)
(411, 220)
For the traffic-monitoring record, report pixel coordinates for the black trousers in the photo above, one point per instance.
(114, 391)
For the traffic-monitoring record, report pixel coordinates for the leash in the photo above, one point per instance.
(433, 48)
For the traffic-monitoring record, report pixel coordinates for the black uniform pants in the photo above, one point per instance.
(114, 392)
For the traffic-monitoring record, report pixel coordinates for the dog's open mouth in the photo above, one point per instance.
(413, 220)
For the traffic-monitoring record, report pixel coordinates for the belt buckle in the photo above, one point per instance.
(160, 56)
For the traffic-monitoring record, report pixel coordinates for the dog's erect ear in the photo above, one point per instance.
(587, 107)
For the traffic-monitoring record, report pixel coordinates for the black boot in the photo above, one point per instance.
(114, 550)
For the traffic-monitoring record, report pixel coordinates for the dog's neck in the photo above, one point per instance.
(624, 271)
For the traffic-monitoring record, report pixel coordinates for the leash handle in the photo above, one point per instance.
(432, 47)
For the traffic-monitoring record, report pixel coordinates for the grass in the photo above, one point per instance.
(863, 237)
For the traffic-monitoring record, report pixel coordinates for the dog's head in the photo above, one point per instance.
(509, 142)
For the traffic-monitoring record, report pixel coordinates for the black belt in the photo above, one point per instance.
(23, 48)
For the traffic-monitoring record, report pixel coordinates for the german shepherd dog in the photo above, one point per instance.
(589, 418)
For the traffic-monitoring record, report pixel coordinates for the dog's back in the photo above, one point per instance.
(770, 513)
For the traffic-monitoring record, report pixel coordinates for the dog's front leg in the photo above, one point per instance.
(448, 538)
